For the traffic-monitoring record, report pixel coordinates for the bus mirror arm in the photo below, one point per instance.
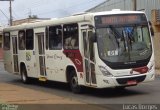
(151, 28)
(93, 37)
(91, 27)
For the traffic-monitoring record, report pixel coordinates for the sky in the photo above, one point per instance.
(44, 8)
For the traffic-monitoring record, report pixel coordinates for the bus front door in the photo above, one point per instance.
(40, 56)
(15, 54)
(89, 60)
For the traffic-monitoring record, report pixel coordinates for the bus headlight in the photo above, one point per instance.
(105, 72)
(150, 68)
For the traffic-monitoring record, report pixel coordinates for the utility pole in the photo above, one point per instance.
(10, 10)
(134, 5)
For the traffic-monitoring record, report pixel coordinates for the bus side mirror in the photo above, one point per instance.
(151, 28)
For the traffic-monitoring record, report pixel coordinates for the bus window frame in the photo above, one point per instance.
(20, 47)
(47, 37)
(6, 46)
(54, 37)
(27, 38)
(69, 34)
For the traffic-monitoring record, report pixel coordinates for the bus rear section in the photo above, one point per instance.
(10, 53)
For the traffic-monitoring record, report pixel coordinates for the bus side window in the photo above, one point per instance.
(6, 41)
(71, 36)
(21, 39)
(91, 46)
(29, 39)
(55, 37)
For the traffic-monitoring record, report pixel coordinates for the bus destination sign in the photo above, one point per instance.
(119, 19)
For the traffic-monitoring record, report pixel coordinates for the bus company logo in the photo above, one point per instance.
(78, 62)
(57, 57)
(131, 72)
(28, 56)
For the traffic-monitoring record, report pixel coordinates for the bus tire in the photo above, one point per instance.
(73, 81)
(24, 76)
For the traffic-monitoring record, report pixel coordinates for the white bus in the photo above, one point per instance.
(99, 50)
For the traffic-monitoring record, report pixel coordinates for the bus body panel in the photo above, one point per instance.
(30, 63)
(56, 65)
(8, 61)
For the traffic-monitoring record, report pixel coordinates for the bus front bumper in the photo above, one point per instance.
(109, 82)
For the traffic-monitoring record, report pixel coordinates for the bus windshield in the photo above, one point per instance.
(124, 43)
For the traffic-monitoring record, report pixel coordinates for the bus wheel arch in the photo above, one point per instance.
(72, 79)
(23, 73)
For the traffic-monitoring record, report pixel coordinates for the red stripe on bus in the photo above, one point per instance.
(76, 57)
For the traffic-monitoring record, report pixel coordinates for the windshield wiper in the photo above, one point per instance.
(124, 40)
(126, 44)
(116, 34)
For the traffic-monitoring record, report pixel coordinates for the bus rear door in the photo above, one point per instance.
(14, 54)
(40, 56)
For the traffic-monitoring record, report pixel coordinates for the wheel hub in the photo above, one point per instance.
(74, 81)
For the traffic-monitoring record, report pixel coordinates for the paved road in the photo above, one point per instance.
(147, 93)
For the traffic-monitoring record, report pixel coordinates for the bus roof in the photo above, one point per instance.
(117, 11)
(70, 19)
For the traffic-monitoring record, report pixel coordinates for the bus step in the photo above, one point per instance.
(42, 79)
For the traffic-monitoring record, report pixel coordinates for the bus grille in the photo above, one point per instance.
(125, 80)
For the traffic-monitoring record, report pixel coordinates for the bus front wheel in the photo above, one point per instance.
(74, 82)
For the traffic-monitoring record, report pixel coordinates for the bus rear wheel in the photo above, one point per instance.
(75, 87)
(24, 76)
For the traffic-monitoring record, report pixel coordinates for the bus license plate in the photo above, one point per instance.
(131, 82)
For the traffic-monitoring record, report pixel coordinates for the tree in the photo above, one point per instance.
(33, 16)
